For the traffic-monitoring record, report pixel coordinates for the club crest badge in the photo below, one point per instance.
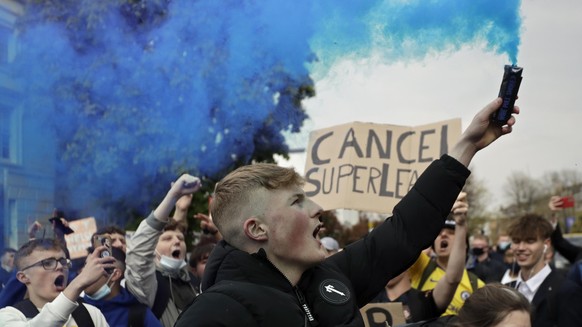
(465, 295)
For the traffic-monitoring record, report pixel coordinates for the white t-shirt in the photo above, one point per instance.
(54, 314)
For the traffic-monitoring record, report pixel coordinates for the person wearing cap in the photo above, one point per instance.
(52, 301)
(330, 244)
(426, 273)
(429, 304)
(119, 307)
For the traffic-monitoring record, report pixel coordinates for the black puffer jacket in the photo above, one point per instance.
(241, 289)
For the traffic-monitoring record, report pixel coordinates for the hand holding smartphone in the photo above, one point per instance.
(567, 202)
(100, 240)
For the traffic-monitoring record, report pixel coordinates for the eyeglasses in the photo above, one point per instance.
(51, 264)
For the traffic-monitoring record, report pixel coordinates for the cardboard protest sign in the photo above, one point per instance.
(370, 167)
(80, 240)
(383, 314)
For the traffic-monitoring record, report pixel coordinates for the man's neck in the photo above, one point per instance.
(37, 301)
(482, 257)
(115, 290)
(442, 261)
(528, 273)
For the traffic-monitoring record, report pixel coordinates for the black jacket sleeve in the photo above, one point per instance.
(568, 250)
(569, 301)
(393, 246)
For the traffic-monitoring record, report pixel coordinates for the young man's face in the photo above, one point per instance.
(41, 283)
(293, 226)
(480, 244)
(198, 271)
(172, 244)
(528, 252)
(508, 256)
(444, 242)
(8, 259)
(117, 241)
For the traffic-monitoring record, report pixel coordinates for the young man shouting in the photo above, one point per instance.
(271, 268)
(43, 268)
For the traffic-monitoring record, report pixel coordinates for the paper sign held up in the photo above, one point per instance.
(383, 314)
(370, 167)
(80, 240)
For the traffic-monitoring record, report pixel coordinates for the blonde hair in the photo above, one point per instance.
(235, 195)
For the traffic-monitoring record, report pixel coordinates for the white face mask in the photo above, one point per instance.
(102, 292)
(171, 264)
(504, 245)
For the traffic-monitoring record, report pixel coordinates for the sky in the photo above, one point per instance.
(457, 84)
(212, 79)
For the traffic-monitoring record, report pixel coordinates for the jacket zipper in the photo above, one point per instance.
(301, 298)
(299, 295)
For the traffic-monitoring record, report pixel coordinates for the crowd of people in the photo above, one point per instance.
(262, 262)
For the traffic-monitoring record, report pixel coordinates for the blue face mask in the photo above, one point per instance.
(170, 264)
(102, 292)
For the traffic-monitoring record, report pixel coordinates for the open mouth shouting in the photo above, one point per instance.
(176, 254)
(60, 283)
(316, 231)
(444, 244)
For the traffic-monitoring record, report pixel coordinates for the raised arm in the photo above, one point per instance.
(186, 184)
(181, 212)
(445, 288)
(140, 274)
(417, 219)
(481, 132)
(568, 250)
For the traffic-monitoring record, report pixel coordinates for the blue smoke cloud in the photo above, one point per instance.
(198, 84)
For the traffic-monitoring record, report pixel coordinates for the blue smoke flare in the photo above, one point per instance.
(136, 92)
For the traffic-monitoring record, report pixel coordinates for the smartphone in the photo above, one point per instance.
(99, 240)
(508, 92)
(567, 202)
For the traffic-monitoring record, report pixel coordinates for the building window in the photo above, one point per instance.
(5, 37)
(6, 132)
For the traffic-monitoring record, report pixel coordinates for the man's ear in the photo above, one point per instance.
(21, 276)
(255, 229)
(117, 274)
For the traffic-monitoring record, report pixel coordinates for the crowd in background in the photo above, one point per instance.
(472, 261)
(261, 261)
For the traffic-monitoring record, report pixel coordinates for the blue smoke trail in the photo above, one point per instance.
(199, 84)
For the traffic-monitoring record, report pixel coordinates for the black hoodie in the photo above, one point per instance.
(241, 289)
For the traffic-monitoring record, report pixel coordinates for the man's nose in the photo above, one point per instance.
(520, 245)
(314, 209)
(60, 266)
